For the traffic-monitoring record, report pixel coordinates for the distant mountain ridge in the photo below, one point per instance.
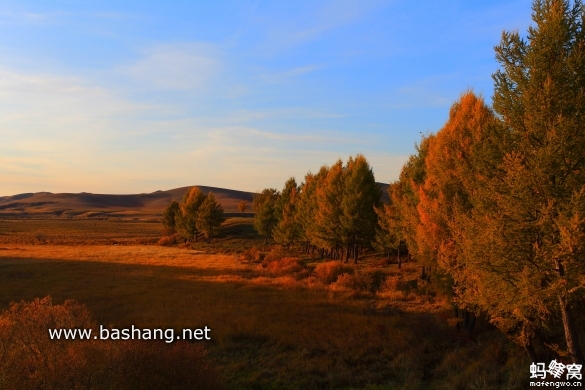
(141, 206)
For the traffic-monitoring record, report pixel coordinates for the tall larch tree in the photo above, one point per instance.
(265, 219)
(187, 221)
(170, 216)
(529, 246)
(210, 216)
(404, 194)
(388, 237)
(361, 195)
(327, 232)
(288, 229)
(307, 207)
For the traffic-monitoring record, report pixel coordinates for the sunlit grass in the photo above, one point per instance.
(274, 325)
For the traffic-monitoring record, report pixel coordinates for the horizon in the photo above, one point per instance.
(134, 97)
(143, 193)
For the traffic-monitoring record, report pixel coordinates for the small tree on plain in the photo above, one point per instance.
(187, 221)
(242, 206)
(170, 216)
(210, 216)
(264, 208)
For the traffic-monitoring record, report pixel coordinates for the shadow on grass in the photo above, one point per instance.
(262, 337)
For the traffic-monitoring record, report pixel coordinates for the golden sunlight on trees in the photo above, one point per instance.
(209, 216)
(288, 229)
(404, 196)
(265, 218)
(361, 195)
(533, 237)
(497, 200)
(197, 213)
(187, 221)
(170, 218)
(333, 211)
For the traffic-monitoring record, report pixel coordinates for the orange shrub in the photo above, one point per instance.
(287, 266)
(169, 240)
(29, 359)
(254, 254)
(328, 272)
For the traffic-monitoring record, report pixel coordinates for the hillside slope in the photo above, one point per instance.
(87, 205)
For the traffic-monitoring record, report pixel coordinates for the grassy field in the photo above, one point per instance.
(276, 324)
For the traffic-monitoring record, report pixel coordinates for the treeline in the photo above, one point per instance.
(496, 198)
(196, 214)
(332, 211)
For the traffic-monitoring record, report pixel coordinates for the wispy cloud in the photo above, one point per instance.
(184, 66)
(245, 116)
(314, 22)
(279, 77)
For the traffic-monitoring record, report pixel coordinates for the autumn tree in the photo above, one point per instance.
(361, 195)
(460, 159)
(187, 221)
(265, 218)
(287, 230)
(404, 195)
(524, 250)
(242, 206)
(307, 207)
(388, 232)
(209, 216)
(327, 232)
(170, 217)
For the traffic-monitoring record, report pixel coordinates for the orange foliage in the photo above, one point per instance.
(329, 272)
(29, 359)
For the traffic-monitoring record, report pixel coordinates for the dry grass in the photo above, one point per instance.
(275, 323)
(77, 232)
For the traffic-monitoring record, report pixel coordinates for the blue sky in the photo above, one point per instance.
(137, 96)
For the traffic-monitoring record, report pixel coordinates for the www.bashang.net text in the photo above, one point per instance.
(133, 333)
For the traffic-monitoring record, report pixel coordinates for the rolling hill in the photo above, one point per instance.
(87, 205)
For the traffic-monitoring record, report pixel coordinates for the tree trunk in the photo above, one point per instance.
(472, 322)
(570, 332)
(529, 348)
(399, 262)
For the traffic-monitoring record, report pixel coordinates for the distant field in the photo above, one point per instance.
(272, 328)
(104, 206)
(237, 232)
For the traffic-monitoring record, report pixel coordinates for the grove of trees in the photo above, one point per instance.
(496, 198)
(332, 212)
(197, 213)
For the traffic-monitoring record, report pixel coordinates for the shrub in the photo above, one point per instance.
(30, 360)
(328, 272)
(285, 266)
(169, 240)
(276, 253)
(254, 254)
